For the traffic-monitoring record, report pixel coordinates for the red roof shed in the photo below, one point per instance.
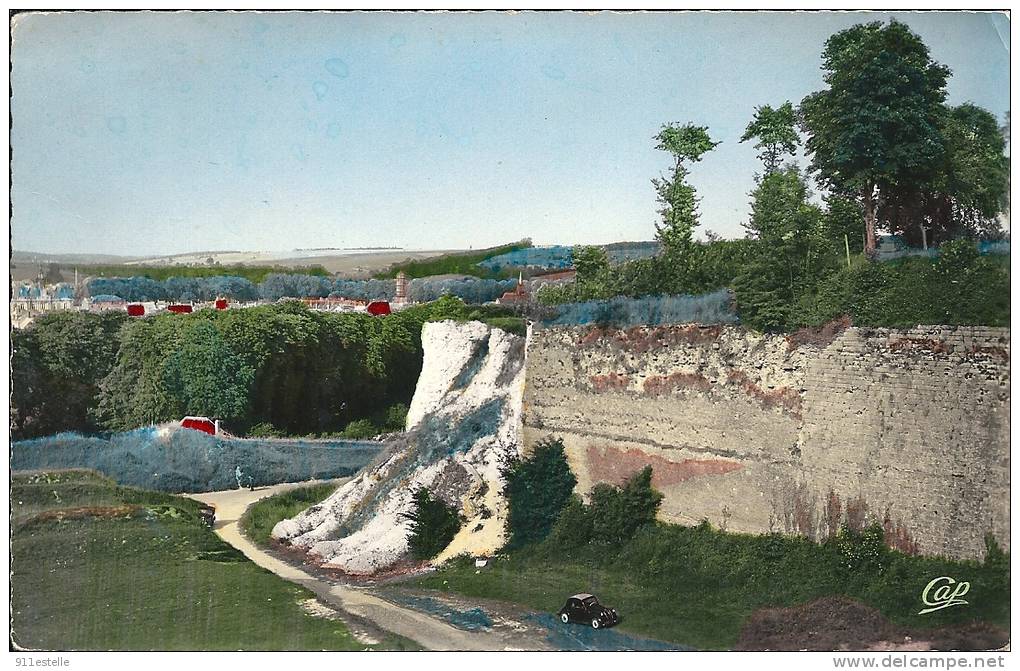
(379, 308)
(203, 424)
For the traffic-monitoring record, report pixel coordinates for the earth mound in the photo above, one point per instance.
(841, 623)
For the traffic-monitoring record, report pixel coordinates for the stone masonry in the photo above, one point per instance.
(763, 432)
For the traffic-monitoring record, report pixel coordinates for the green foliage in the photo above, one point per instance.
(434, 523)
(613, 516)
(515, 325)
(264, 430)
(776, 134)
(258, 521)
(537, 489)
(696, 585)
(160, 577)
(969, 188)
(676, 197)
(360, 429)
(864, 549)
(56, 368)
(312, 372)
(591, 263)
(395, 417)
(795, 249)
(960, 287)
(253, 274)
(460, 263)
(877, 124)
(207, 377)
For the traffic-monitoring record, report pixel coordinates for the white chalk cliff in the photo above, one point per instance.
(463, 422)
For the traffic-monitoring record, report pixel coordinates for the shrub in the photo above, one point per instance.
(574, 526)
(614, 515)
(360, 429)
(264, 430)
(396, 417)
(619, 512)
(537, 489)
(862, 549)
(434, 523)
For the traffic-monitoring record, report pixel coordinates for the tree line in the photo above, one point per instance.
(281, 368)
(889, 153)
(290, 285)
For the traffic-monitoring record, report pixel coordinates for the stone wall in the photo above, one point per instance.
(758, 432)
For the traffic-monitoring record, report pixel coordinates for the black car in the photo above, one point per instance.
(586, 609)
(208, 515)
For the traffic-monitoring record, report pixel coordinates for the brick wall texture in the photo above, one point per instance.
(759, 433)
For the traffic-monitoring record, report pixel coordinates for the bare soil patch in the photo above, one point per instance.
(840, 623)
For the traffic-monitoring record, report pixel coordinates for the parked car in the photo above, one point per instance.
(586, 609)
(208, 515)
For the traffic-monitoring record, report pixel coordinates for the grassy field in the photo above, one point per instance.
(258, 521)
(101, 567)
(697, 586)
(457, 263)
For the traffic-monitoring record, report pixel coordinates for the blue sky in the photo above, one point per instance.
(157, 133)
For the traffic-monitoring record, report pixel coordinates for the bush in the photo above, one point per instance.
(623, 312)
(614, 515)
(433, 525)
(396, 417)
(958, 288)
(864, 549)
(513, 325)
(264, 430)
(537, 489)
(360, 429)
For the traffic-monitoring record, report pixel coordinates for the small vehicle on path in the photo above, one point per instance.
(586, 609)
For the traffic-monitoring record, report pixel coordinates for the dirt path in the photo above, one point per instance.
(429, 632)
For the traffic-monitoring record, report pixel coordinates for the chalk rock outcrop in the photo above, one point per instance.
(463, 422)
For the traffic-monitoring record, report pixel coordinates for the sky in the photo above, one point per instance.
(161, 133)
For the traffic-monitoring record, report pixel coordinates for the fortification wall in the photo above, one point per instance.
(757, 432)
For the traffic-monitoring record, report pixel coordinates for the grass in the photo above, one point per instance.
(258, 521)
(697, 586)
(460, 263)
(96, 566)
(252, 273)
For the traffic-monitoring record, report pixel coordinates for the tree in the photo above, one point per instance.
(618, 512)
(677, 198)
(776, 134)
(793, 251)
(537, 489)
(206, 377)
(877, 125)
(968, 189)
(56, 367)
(434, 523)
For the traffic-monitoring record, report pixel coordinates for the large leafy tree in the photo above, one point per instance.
(775, 132)
(876, 128)
(968, 190)
(679, 208)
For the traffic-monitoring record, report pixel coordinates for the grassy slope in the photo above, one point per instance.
(697, 586)
(253, 273)
(259, 520)
(459, 263)
(152, 578)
